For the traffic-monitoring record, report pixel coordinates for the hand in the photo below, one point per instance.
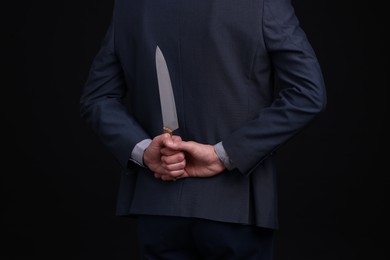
(167, 166)
(201, 160)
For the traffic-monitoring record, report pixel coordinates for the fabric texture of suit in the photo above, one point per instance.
(224, 58)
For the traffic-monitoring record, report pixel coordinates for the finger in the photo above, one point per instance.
(170, 164)
(166, 140)
(168, 151)
(170, 158)
(176, 138)
(171, 169)
(160, 140)
(176, 176)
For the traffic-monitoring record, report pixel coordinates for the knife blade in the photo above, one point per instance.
(167, 99)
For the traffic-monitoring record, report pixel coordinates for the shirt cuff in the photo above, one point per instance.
(137, 155)
(223, 156)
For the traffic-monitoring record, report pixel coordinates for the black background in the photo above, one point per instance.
(60, 188)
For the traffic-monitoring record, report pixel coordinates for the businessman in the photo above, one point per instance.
(237, 79)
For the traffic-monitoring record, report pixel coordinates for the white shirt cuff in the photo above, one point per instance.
(223, 156)
(137, 155)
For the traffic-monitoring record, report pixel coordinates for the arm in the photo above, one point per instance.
(301, 95)
(101, 103)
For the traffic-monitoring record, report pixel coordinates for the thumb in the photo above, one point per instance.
(188, 146)
(172, 142)
(161, 140)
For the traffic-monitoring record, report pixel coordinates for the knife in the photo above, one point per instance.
(167, 99)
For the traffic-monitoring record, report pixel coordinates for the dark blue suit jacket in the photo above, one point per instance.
(224, 57)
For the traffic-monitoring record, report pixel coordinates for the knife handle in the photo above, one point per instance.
(167, 130)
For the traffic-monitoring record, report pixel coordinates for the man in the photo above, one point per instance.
(245, 80)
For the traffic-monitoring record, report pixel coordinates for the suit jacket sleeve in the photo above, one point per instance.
(301, 96)
(101, 103)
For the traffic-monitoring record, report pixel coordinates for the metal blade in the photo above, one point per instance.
(167, 99)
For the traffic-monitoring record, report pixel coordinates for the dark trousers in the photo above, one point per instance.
(176, 238)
